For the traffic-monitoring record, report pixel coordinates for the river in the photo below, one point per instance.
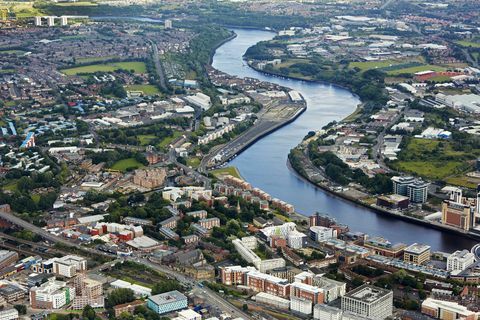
(264, 164)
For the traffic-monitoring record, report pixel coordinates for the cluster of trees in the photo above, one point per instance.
(160, 130)
(341, 173)
(110, 157)
(154, 209)
(115, 89)
(367, 271)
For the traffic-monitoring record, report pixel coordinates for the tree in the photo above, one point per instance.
(88, 313)
(119, 296)
(21, 308)
(245, 307)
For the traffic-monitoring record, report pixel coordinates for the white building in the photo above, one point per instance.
(296, 239)
(200, 100)
(53, 294)
(38, 21)
(50, 21)
(8, 314)
(325, 312)
(68, 266)
(301, 305)
(63, 21)
(319, 234)
(188, 314)
(370, 301)
(168, 24)
(460, 260)
(272, 300)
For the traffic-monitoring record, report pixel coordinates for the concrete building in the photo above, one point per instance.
(127, 307)
(188, 314)
(209, 223)
(325, 312)
(296, 239)
(417, 253)
(151, 178)
(68, 266)
(63, 21)
(167, 302)
(87, 292)
(447, 310)
(50, 21)
(234, 275)
(460, 260)
(7, 258)
(415, 189)
(38, 21)
(319, 234)
(301, 305)
(272, 300)
(261, 282)
(168, 24)
(370, 301)
(458, 215)
(52, 294)
(9, 314)
(306, 291)
(384, 247)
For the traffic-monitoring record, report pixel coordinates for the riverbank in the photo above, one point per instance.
(380, 210)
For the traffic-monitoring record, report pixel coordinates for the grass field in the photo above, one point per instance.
(368, 65)
(463, 181)
(468, 44)
(233, 171)
(147, 89)
(136, 66)
(413, 70)
(15, 52)
(431, 169)
(439, 79)
(165, 142)
(193, 162)
(24, 10)
(434, 159)
(123, 165)
(4, 71)
(145, 139)
(76, 4)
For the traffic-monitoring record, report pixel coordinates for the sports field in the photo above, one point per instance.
(135, 66)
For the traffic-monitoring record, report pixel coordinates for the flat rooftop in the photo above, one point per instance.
(368, 293)
(417, 248)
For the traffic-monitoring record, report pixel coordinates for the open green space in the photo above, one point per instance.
(145, 139)
(431, 169)
(439, 79)
(193, 162)
(4, 71)
(368, 65)
(147, 89)
(76, 4)
(136, 66)
(233, 171)
(433, 159)
(165, 142)
(463, 181)
(415, 69)
(465, 43)
(125, 164)
(15, 52)
(24, 9)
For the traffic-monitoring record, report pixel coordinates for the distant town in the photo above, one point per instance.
(123, 125)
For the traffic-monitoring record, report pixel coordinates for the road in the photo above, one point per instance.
(476, 251)
(158, 66)
(211, 296)
(46, 235)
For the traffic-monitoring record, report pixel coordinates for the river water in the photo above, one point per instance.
(264, 164)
